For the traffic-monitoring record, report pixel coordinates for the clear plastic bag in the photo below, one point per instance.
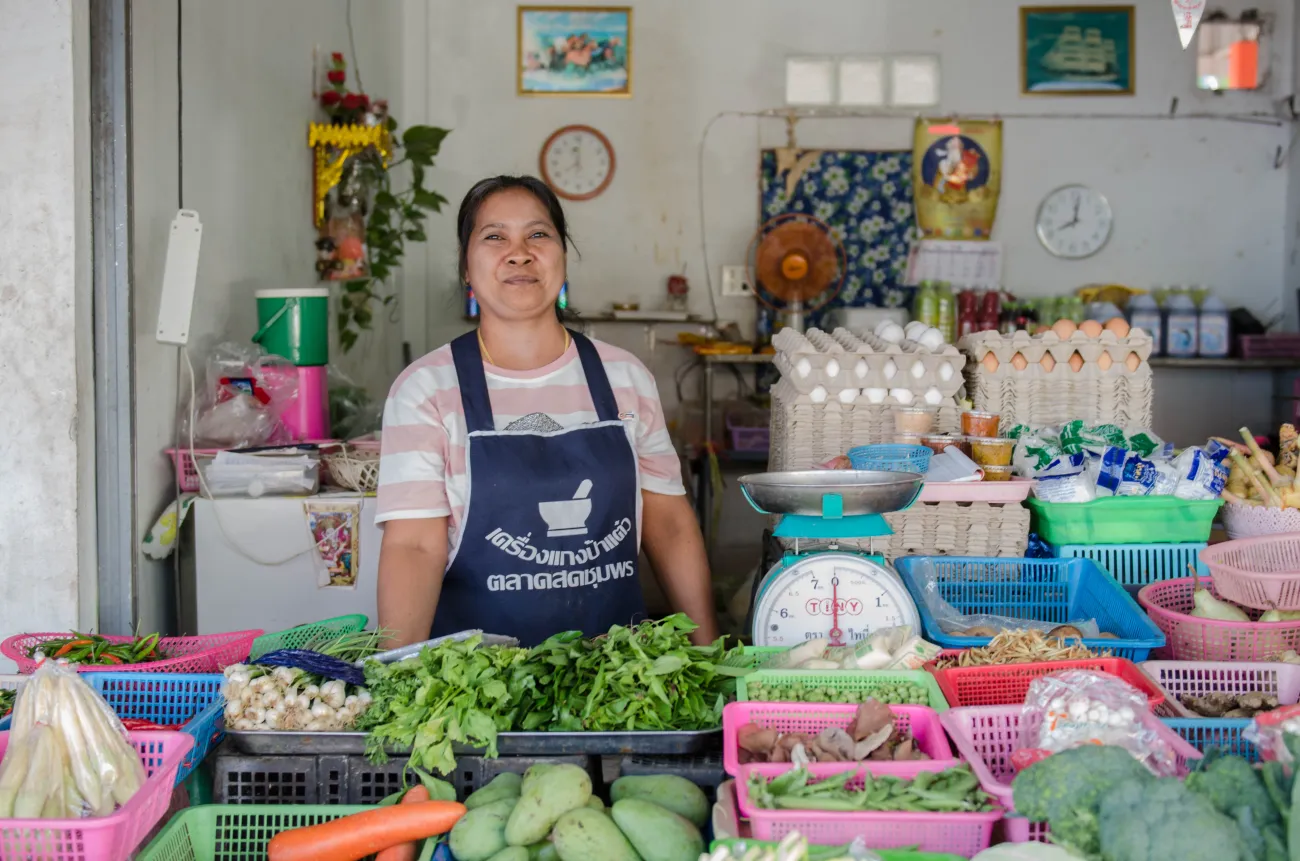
(1078, 707)
(353, 413)
(950, 621)
(1269, 732)
(240, 399)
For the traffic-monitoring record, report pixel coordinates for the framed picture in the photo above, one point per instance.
(575, 51)
(1077, 51)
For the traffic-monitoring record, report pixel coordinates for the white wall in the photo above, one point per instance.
(245, 96)
(47, 512)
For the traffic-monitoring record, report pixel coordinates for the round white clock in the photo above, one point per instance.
(1074, 222)
(577, 162)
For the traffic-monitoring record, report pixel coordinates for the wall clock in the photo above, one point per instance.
(1074, 222)
(577, 162)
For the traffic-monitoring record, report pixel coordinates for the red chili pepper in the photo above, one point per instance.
(112, 659)
(140, 724)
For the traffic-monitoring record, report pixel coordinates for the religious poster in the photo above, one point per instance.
(956, 177)
(335, 532)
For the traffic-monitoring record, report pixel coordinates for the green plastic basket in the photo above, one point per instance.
(1124, 520)
(820, 852)
(844, 680)
(296, 638)
(234, 832)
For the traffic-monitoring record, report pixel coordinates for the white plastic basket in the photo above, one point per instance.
(1198, 678)
(1251, 521)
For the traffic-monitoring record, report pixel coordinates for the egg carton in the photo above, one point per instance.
(803, 434)
(1033, 347)
(943, 529)
(819, 362)
(1039, 398)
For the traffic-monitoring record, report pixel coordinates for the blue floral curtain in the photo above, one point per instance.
(866, 198)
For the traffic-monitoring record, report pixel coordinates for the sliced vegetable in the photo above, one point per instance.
(349, 838)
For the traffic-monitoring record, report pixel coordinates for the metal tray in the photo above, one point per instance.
(859, 491)
(275, 743)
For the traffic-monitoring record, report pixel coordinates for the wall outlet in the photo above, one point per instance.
(735, 281)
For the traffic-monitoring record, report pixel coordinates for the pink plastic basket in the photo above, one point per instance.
(964, 834)
(107, 838)
(208, 653)
(1198, 678)
(1190, 638)
(811, 718)
(1262, 572)
(1015, 490)
(985, 736)
(187, 471)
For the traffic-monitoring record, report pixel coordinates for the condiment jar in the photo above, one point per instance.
(997, 473)
(908, 439)
(917, 420)
(938, 442)
(974, 423)
(992, 451)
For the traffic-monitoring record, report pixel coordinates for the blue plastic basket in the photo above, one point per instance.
(891, 458)
(1045, 590)
(1139, 564)
(1224, 733)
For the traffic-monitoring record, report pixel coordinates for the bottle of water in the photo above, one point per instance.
(1183, 332)
(1144, 314)
(1214, 329)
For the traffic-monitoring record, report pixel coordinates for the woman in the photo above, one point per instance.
(524, 464)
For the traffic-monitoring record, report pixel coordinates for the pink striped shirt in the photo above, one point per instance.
(422, 468)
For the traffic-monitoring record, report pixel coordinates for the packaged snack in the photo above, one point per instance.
(1075, 486)
(1200, 476)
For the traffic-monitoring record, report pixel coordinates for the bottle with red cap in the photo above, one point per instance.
(967, 313)
(990, 312)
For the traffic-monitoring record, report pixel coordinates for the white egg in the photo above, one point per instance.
(893, 334)
(1094, 716)
(933, 396)
(861, 369)
(848, 396)
(875, 396)
(890, 369)
(945, 372)
(832, 368)
(903, 396)
(883, 325)
(1116, 720)
(914, 329)
(803, 367)
(932, 339)
(918, 370)
(818, 395)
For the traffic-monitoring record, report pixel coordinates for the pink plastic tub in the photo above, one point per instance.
(964, 834)
(1015, 490)
(107, 838)
(1190, 638)
(1262, 572)
(1198, 678)
(209, 653)
(811, 718)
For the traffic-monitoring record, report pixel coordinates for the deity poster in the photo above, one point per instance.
(335, 532)
(957, 177)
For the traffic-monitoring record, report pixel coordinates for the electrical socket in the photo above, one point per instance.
(735, 281)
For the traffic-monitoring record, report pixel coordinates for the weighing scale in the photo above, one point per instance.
(836, 594)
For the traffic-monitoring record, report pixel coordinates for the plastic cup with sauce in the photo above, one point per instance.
(915, 420)
(975, 423)
(992, 451)
(997, 473)
(938, 442)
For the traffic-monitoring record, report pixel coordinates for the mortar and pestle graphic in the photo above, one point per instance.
(568, 516)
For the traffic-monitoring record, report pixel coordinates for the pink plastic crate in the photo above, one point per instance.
(811, 718)
(187, 471)
(985, 736)
(964, 834)
(1015, 490)
(1190, 638)
(1262, 572)
(1278, 345)
(107, 838)
(209, 653)
(1198, 678)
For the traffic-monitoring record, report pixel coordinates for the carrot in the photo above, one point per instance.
(406, 851)
(350, 838)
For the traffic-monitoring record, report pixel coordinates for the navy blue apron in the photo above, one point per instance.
(549, 539)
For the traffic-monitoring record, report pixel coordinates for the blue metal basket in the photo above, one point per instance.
(891, 458)
(1139, 564)
(1224, 733)
(1045, 590)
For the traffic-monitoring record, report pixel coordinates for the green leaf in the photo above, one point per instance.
(426, 139)
(415, 235)
(429, 199)
(384, 199)
(347, 339)
(439, 790)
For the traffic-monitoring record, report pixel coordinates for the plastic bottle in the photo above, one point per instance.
(947, 313)
(1214, 330)
(927, 304)
(1144, 313)
(1182, 327)
(967, 312)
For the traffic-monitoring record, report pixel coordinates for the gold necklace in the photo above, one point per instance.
(483, 347)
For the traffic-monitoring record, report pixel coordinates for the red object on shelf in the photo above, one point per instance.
(967, 312)
(1243, 65)
(1007, 684)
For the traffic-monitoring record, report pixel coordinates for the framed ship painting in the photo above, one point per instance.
(1077, 51)
(575, 51)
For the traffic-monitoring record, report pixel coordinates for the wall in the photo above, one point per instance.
(237, 117)
(1170, 183)
(47, 511)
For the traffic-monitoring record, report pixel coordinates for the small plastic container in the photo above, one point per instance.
(992, 451)
(918, 420)
(908, 439)
(975, 423)
(938, 442)
(997, 473)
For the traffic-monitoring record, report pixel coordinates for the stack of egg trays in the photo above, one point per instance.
(1038, 397)
(848, 361)
(942, 529)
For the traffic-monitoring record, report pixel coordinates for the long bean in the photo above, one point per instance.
(955, 790)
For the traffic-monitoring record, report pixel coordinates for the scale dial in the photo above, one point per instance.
(808, 597)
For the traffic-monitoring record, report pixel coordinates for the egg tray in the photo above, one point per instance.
(804, 434)
(941, 529)
(843, 360)
(1040, 398)
(1034, 347)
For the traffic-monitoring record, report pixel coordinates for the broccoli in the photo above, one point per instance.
(1237, 790)
(1165, 821)
(1066, 789)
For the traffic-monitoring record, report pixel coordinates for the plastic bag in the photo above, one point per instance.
(1268, 732)
(1078, 707)
(241, 398)
(353, 413)
(68, 756)
(952, 622)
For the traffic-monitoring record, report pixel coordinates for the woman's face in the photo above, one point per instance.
(515, 260)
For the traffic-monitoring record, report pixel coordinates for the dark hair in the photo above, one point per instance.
(485, 188)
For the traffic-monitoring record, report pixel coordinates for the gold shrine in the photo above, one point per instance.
(332, 146)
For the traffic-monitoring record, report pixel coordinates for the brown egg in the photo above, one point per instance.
(1118, 325)
(1038, 330)
(1076, 362)
(1019, 362)
(1064, 328)
(1090, 328)
(1104, 361)
(1132, 362)
(990, 363)
(1047, 362)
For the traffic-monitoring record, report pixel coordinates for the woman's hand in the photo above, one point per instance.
(412, 561)
(670, 537)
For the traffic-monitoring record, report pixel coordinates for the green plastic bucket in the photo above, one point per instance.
(293, 322)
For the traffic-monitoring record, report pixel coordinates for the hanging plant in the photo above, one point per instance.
(394, 215)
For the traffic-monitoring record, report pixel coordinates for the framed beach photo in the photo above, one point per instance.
(575, 51)
(1077, 51)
